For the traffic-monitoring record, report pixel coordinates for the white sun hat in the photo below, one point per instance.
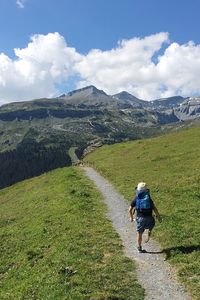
(142, 186)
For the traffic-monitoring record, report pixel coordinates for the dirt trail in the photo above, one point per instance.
(154, 274)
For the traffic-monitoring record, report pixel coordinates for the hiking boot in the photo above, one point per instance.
(148, 236)
(139, 249)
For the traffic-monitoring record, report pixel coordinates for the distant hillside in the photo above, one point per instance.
(170, 166)
(36, 136)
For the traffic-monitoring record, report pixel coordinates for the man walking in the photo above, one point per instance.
(143, 204)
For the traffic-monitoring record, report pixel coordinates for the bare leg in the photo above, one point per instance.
(148, 235)
(139, 239)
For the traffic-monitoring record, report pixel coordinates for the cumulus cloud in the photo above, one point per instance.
(20, 3)
(132, 67)
(44, 63)
(128, 67)
(179, 69)
(140, 66)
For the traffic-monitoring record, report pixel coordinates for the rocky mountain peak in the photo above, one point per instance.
(125, 96)
(87, 91)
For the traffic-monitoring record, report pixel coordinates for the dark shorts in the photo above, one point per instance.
(143, 223)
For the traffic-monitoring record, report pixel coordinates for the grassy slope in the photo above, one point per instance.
(57, 244)
(170, 165)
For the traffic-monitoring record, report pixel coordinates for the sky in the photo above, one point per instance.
(149, 48)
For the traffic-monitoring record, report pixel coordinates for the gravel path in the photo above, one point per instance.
(154, 274)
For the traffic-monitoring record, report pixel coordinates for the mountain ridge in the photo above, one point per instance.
(39, 129)
(92, 92)
(90, 97)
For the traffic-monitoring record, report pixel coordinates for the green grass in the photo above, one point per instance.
(170, 165)
(57, 244)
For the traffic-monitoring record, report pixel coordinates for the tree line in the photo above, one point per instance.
(29, 159)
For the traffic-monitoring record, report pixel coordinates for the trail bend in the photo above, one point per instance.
(154, 273)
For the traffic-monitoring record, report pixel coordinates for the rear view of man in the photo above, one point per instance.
(143, 204)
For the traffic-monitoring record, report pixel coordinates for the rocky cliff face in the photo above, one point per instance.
(189, 109)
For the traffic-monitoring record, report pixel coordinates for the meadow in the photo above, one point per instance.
(170, 166)
(57, 244)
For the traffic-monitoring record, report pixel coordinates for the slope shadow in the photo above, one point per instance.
(152, 252)
(169, 252)
(181, 249)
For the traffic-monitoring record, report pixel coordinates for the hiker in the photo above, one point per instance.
(143, 204)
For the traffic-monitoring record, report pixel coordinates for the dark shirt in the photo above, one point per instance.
(144, 213)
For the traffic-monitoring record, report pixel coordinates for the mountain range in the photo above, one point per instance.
(90, 98)
(39, 135)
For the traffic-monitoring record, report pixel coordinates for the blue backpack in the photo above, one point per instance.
(143, 201)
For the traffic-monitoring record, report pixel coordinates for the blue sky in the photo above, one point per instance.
(149, 48)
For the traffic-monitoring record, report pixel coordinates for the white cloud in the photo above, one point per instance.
(20, 3)
(179, 69)
(137, 65)
(45, 62)
(128, 67)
